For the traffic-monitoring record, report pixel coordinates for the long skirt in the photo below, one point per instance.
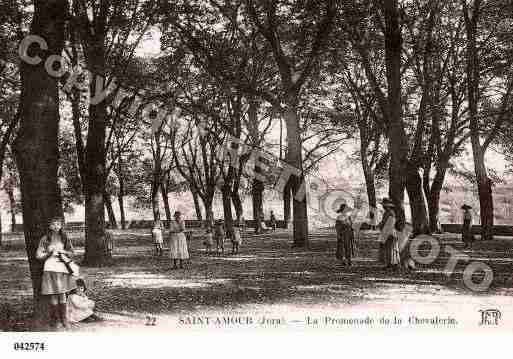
(391, 251)
(345, 243)
(57, 283)
(178, 246)
(466, 232)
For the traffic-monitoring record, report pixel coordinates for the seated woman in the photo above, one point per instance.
(80, 308)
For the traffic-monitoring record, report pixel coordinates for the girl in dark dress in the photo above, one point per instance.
(345, 236)
(466, 233)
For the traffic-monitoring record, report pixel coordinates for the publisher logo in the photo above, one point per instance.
(490, 316)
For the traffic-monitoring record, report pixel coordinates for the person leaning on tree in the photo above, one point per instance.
(59, 272)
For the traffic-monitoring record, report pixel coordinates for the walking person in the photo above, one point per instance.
(466, 230)
(59, 272)
(388, 236)
(178, 251)
(345, 235)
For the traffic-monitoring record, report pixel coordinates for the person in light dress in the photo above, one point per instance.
(389, 236)
(178, 250)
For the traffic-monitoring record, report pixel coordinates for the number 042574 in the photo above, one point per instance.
(29, 346)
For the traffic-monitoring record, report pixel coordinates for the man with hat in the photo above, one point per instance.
(345, 235)
(466, 230)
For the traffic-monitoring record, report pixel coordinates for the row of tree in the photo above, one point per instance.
(412, 81)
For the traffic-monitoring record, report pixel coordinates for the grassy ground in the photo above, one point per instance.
(267, 278)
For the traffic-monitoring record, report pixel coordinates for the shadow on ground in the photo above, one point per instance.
(265, 273)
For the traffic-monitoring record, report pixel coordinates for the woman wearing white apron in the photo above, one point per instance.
(389, 237)
(177, 241)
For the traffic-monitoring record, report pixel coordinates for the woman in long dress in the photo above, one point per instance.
(466, 232)
(345, 236)
(177, 241)
(388, 236)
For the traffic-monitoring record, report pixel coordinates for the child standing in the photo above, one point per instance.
(55, 250)
(209, 240)
(156, 234)
(236, 239)
(272, 221)
(219, 234)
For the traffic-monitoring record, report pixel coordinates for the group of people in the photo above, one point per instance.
(214, 238)
(178, 250)
(60, 280)
(218, 235)
(392, 237)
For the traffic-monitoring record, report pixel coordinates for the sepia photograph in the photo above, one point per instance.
(255, 165)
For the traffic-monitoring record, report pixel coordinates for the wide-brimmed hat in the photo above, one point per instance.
(465, 207)
(387, 202)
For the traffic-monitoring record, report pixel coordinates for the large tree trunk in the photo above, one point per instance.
(94, 182)
(257, 190)
(155, 205)
(237, 202)
(122, 215)
(121, 195)
(433, 196)
(287, 194)
(165, 199)
(484, 185)
(370, 186)
(110, 211)
(197, 206)
(398, 143)
(209, 213)
(434, 211)
(415, 191)
(35, 148)
(484, 188)
(226, 194)
(12, 207)
(297, 182)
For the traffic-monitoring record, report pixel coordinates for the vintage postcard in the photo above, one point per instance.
(255, 166)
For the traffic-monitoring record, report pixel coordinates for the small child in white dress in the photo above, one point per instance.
(80, 308)
(156, 234)
(236, 240)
